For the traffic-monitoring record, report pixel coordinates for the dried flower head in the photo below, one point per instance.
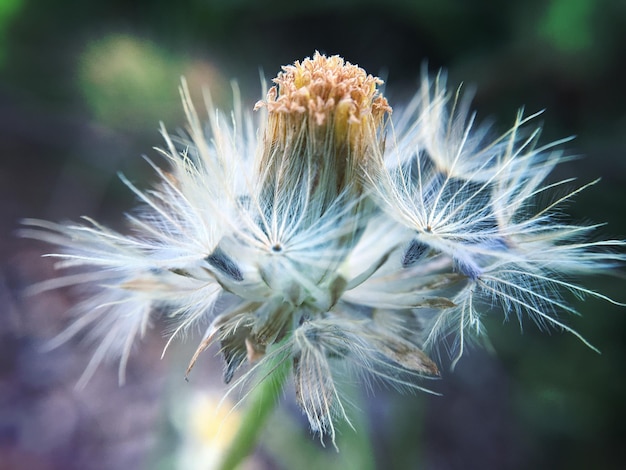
(325, 246)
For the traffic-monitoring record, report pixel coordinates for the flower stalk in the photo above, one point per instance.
(259, 405)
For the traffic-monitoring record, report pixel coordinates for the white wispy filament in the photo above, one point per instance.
(318, 231)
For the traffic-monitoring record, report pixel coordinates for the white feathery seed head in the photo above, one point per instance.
(317, 231)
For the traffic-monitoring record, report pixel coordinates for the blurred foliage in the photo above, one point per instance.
(124, 79)
(83, 86)
(569, 25)
(8, 10)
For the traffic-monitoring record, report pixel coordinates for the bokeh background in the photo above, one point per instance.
(83, 86)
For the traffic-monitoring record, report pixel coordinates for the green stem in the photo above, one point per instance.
(260, 404)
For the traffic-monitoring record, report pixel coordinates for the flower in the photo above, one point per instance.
(317, 231)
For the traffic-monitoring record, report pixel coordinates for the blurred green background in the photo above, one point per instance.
(83, 86)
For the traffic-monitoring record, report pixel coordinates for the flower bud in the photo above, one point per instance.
(325, 123)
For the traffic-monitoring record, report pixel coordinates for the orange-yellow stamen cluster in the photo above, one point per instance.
(325, 86)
